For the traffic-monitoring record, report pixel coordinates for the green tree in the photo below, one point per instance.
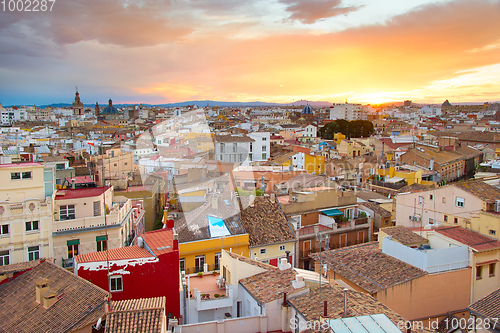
(257, 192)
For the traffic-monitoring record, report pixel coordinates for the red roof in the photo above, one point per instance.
(468, 237)
(128, 252)
(11, 165)
(159, 241)
(80, 179)
(70, 193)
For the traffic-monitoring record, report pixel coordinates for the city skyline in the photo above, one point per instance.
(159, 52)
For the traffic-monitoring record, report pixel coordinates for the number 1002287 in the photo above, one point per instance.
(27, 5)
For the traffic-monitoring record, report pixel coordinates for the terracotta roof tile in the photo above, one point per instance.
(488, 306)
(469, 237)
(486, 192)
(270, 285)
(404, 235)
(265, 223)
(359, 304)
(129, 252)
(159, 241)
(79, 304)
(376, 208)
(250, 261)
(356, 263)
(136, 316)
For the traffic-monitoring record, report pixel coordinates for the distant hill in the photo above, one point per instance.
(316, 104)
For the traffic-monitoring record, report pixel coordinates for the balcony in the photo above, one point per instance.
(67, 263)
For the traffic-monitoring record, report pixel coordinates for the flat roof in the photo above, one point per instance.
(80, 192)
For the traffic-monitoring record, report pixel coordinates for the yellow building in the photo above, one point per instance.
(312, 164)
(26, 212)
(411, 176)
(114, 167)
(486, 223)
(205, 231)
(338, 137)
(350, 148)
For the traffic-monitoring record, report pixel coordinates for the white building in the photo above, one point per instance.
(346, 111)
(237, 148)
(260, 150)
(10, 116)
(431, 110)
(310, 131)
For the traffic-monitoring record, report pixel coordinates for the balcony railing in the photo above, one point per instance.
(193, 270)
(67, 263)
(359, 221)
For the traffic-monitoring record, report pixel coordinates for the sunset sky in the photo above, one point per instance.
(365, 51)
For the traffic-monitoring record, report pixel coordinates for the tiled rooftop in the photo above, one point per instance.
(488, 306)
(358, 264)
(79, 304)
(270, 285)
(250, 261)
(482, 190)
(265, 223)
(469, 237)
(358, 304)
(136, 316)
(376, 208)
(128, 252)
(403, 235)
(159, 241)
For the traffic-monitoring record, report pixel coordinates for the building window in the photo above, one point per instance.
(264, 139)
(492, 269)
(114, 164)
(234, 147)
(217, 260)
(67, 212)
(72, 247)
(32, 225)
(493, 232)
(97, 208)
(479, 272)
(264, 148)
(421, 200)
(4, 229)
(445, 218)
(444, 200)
(460, 202)
(199, 263)
(26, 175)
(33, 253)
(282, 247)
(251, 147)
(15, 175)
(431, 197)
(263, 251)
(4, 258)
(116, 283)
(182, 264)
(102, 243)
(455, 220)
(264, 156)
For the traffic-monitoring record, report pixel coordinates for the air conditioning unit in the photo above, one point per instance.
(294, 199)
(411, 217)
(416, 218)
(497, 205)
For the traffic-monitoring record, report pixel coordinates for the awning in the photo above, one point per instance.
(332, 212)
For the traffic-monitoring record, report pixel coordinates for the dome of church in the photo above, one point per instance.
(110, 109)
(307, 110)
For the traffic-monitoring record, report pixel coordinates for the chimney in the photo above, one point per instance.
(284, 299)
(170, 222)
(325, 309)
(273, 197)
(176, 242)
(42, 285)
(49, 298)
(298, 282)
(345, 302)
(73, 184)
(283, 264)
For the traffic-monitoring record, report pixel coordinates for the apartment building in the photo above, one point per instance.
(93, 219)
(26, 212)
(236, 148)
(260, 149)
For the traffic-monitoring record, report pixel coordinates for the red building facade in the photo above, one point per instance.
(149, 269)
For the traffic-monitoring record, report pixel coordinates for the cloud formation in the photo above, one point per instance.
(310, 11)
